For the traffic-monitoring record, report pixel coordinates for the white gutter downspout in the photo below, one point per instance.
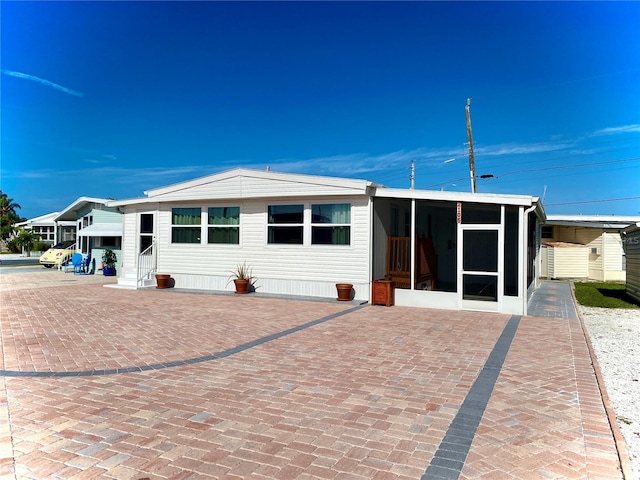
(523, 264)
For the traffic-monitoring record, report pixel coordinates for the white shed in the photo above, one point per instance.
(565, 260)
(599, 234)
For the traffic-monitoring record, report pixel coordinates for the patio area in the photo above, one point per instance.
(121, 384)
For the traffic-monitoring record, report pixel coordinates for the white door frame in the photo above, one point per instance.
(482, 305)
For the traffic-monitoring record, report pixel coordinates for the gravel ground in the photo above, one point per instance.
(615, 335)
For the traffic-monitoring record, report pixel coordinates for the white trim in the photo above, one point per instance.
(482, 305)
(101, 230)
(456, 196)
(307, 225)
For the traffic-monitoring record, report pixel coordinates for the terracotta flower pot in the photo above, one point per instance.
(163, 280)
(344, 291)
(242, 286)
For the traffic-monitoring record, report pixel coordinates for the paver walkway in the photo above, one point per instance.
(287, 389)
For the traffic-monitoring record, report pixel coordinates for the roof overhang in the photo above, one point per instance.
(101, 230)
(612, 222)
(70, 213)
(609, 226)
(631, 228)
(443, 196)
(491, 198)
(42, 220)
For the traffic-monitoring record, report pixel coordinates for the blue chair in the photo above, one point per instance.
(86, 264)
(78, 264)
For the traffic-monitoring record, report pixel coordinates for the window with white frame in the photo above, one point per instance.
(108, 242)
(331, 224)
(186, 225)
(286, 224)
(223, 225)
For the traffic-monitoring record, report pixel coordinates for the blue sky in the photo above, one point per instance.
(112, 99)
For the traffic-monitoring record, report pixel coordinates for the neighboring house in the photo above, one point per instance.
(631, 242)
(302, 234)
(94, 225)
(584, 246)
(44, 226)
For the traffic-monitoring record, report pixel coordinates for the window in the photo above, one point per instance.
(108, 242)
(480, 213)
(185, 225)
(331, 224)
(286, 224)
(224, 225)
(146, 223)
(547, 232)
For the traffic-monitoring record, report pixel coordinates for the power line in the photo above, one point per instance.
(557, 167)
(592, 201)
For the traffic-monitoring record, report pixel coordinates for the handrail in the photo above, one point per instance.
(146, 264)
(70, 247)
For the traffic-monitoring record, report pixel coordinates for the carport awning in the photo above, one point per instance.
(101, 230)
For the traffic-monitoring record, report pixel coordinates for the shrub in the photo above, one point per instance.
(13, 247)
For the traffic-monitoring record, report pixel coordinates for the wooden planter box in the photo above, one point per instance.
(383, 292)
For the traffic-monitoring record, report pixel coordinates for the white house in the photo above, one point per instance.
(584, 246)
(94, 226)
(302, 234)
(44, 226)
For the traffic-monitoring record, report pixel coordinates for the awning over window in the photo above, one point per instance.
(101, 230)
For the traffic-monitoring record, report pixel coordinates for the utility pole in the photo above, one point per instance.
(412, 177)
(472, 161)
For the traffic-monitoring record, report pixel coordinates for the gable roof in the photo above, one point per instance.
(70, 213)
(243, 183)
(47, 219)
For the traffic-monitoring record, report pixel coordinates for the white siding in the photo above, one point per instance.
(606, 263)
(130, 237)
(613, 253)
(128, 255)
(596, 260)
(286, 269)
(568, 262)
(544, 261)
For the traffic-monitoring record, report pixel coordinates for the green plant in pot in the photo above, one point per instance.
(243, 278)
(109, 261)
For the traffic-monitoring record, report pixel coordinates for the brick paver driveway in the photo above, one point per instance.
(106, 383)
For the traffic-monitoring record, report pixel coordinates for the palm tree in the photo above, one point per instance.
(26, 239)
(8, 215)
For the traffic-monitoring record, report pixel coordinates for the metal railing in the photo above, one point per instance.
(66, 258)
(146, 264)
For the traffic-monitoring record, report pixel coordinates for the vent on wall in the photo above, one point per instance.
(595, 251)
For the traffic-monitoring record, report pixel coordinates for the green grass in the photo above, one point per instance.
(606, 295)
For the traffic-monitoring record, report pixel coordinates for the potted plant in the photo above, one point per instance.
(344, 291)
(109, 261)
(242, 277)
(163, 280)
